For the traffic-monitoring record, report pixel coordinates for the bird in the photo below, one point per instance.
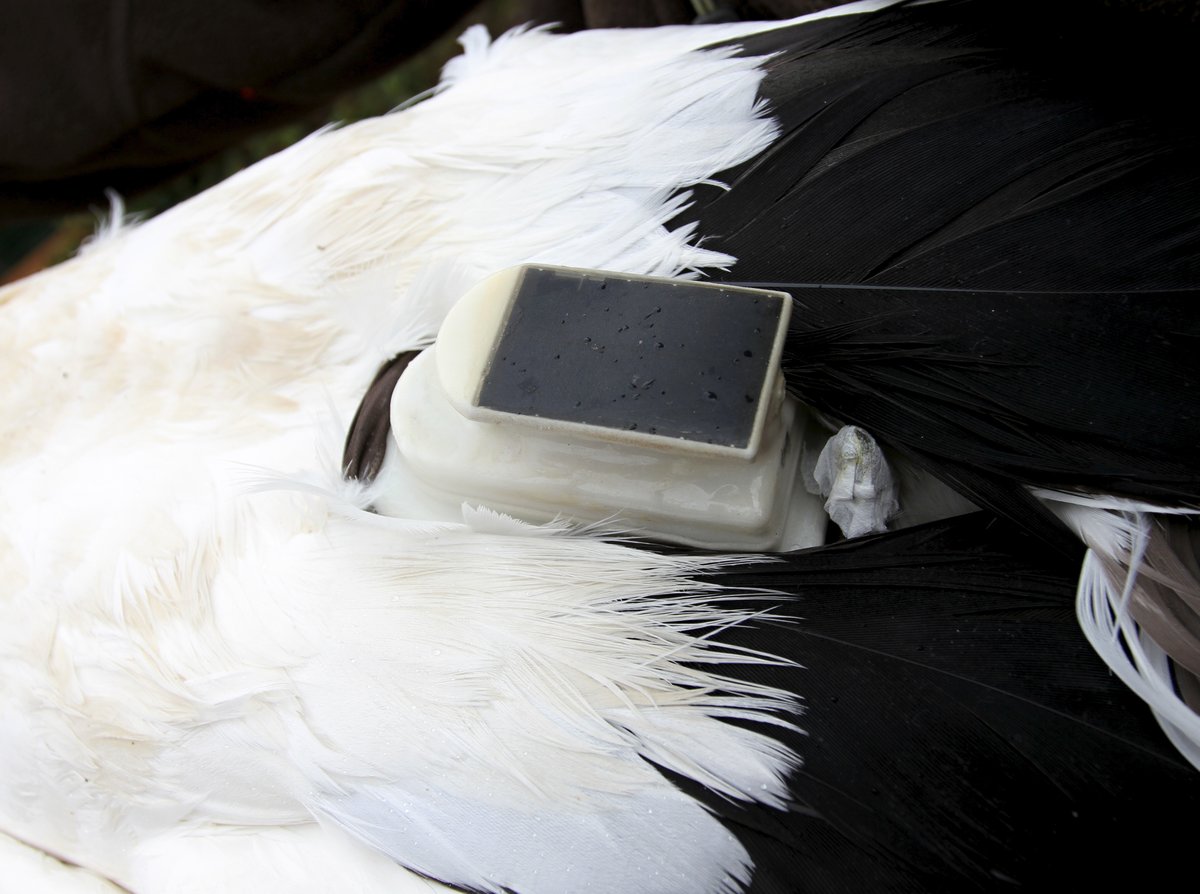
(240, 650)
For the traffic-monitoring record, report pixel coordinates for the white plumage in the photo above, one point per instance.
(210, 647)
(218, 670)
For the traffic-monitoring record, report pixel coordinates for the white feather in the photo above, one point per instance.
(1117, 532)
(26, 870)
(209, 648)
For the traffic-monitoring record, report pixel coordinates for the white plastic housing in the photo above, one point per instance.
(537, 469)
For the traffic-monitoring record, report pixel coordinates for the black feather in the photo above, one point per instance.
(993, 391)
(968, 144)
(959, 145)
(367, 438)
(960, 733)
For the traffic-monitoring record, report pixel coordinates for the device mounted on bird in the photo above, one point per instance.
(654, 403)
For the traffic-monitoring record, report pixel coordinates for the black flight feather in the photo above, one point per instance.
(970, 146)
(960, 734)
(993, 391)
(996, 145)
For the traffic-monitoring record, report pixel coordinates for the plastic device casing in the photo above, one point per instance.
(543, 335)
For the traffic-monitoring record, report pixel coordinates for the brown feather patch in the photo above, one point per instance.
(367, 439)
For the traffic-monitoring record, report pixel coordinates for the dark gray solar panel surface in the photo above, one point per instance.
(671, 359)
